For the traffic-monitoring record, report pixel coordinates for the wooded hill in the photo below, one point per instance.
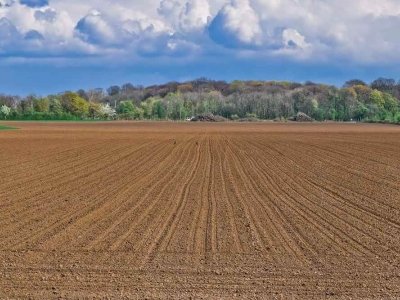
(268, 100)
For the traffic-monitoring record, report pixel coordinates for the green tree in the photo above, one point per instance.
(74, 104)
(363, 93)
(55, 106)
(125, 107)
(41, 105)
(147, 107)
(95, 110)
(391, 104)
(346, 103)
(159, 110)
(175, 106)
(361, 111)
(376, 97)
(127, 110)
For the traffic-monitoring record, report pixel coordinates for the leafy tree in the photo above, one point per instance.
(72, 103)
(127, 110)
(397, 118)
(41, 105)
(174, 100)
(55, 106)
(82, 93)
(147, 107)
(175, 106)
(159, 110)
(347, 103)
(125, 107)
(377, 98)
(95, 110)
(391, 103)
(373, 112)
(363, 93)
(361, 111)
(5, 111)
(107, 111)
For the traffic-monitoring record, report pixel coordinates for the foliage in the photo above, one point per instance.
(107, 112)
(41, 105)
(5, 111)
(273, 100)
(95, 111)
(376, 98)
(127, 110)
(74, 104)
(397, 118)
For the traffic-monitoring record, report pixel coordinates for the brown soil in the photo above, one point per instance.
(214, 211)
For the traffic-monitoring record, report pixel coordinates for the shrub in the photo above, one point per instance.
(234, 117)
(397, 118)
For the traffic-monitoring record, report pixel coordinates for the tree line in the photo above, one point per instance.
(378, 101)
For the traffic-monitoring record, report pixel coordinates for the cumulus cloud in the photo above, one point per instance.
(8, 32)
(134, 36)
(185, 17)
(16, 42)
(33, 35)
(95, 29)
(6, 3)
(237, 24)
(360, 30)
(48, 15)
(291, 38)
(195, 15)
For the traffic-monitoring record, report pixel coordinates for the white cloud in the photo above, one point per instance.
(237, 24)
(46, 15)
(8, 32)
(291, 38)
(361, 30)
(187, 16)
(95, 29)
(195, 15)
(6, 3)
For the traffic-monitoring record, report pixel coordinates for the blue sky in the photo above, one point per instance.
(48, 46)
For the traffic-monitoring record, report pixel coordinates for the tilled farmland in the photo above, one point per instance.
(202, 211)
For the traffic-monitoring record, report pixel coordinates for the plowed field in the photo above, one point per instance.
(166, 210)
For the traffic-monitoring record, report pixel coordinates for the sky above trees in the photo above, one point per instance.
(53, 45)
